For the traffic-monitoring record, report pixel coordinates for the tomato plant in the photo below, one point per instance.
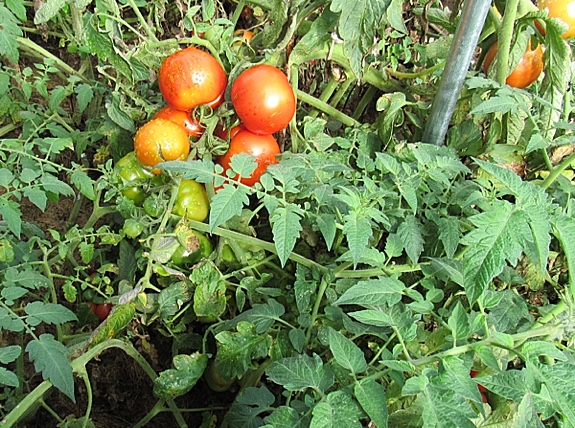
(563, 10)
(192, 200)
(527, 70)
(161, 140)
(101, 310)
(191, 77)
(263, 99)
(133, 228)
(133, 175)
(182, 118)
(263, 147)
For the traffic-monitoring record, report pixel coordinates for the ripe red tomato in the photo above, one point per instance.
(161, 140)
(191, 77)
(562, 9)
(263, 147)
(263, 99)
(527, 71)
(228, 134)
(101, 310)
(181, 118)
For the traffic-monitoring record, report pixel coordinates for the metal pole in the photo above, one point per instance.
(464, 43)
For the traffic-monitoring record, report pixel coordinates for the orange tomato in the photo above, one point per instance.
(181, 118)
(527, 71)
(564, 10)
(161, 140)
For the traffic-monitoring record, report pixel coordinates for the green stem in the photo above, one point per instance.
(42, 53)
(142, 20)
(556, 172)
(327, 109)
(341, 92)
(553, 314)
(319, 297)
(7, 128)
(517, 338)
(364, 102)
(415, 75)
(26, 405)
(504, 36)
(325, 95)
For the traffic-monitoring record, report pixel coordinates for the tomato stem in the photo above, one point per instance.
(327, 109)
(504, 36)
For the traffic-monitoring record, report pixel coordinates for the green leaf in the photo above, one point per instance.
(410, 232)
(116, 113)
(210, 299)
(559, 379)
(37, 196)
(84, 183)
(49, 10)
(346, 353)
(172, 298)
(227, 203)
(8, 378)
(301, 372)
(262, 315)
(538, 348)
(557, 65)
(245, 411)
(564, 230)
(243, 164)
(371, 397)
(328, 228)
(459, 322)
(526, 415)
(51, 358)
(337, 410)
(373, 292)
(285, 417)
(317, 37)
(84, 95)
(17, 8)
(494, 241)
(496, 104)
(52, 184)
(10, 353)
(10, 212)
(359, 22)
(188, 369)
(13, 293)
(200, 170)
(50, 313)
(357, 230)
(236, 350)
(286, 228)
(510, 314)
(9, 31)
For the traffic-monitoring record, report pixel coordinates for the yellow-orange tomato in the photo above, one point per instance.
(564, 10)
(181, 118)
(191, 77)
(245, 35)
(161, 140)
(527, 71)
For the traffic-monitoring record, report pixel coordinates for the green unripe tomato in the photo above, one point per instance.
(133, 228)
(153, 207)
(133, 176)
(192, 201)
(198, 247)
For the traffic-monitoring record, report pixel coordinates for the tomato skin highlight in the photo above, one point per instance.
(263, 147)
(192, 201)
(263, 99)
(161, 140)
(181, 118)
(191, 77)
(564, 10)
(528, 69)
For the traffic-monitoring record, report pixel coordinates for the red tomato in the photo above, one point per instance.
(263, 99)
(191, 77)
(101, 310)
(526, 72)
(263, 147)
(481, 388)
(227, 134)
(181, 118)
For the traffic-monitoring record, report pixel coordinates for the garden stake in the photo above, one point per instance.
(464, 42)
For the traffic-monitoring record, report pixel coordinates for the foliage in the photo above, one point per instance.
(359, 282)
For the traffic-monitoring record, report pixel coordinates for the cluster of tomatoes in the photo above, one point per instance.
(261, 96)
(530, 66)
